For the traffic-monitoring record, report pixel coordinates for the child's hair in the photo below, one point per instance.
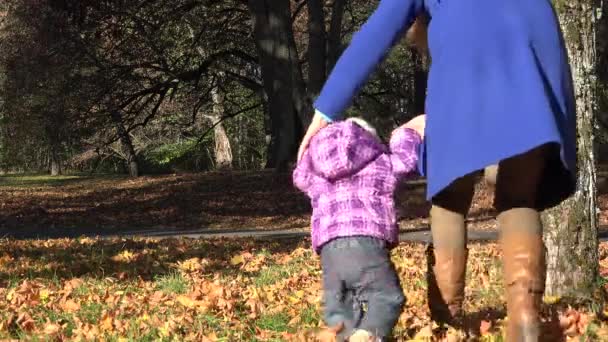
(365, 125)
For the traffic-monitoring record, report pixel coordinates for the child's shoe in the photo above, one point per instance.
(362, 336)
(330, 334)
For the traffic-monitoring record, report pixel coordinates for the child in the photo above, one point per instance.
(350, 176)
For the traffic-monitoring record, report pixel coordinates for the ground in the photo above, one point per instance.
(211, 201)
(119, 289)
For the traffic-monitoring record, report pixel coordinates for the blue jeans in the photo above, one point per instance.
(360, 286)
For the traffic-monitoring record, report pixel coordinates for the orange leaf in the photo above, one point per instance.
(51, 329)
(106, 322)
(70, 306)
(210, 338)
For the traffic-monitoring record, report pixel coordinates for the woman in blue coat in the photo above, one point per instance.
(499, 92)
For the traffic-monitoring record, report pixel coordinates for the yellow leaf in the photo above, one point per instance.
(237, 259)
(424, 334)
(186, 301)
(44, 294)
(124, 256)
(551, 299)
(164, 330)
(10, 295)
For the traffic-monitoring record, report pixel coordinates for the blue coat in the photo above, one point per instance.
(499, 84)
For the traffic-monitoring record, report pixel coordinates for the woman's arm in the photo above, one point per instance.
(367, 49)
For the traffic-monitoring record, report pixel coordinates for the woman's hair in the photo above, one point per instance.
(417, 35)
(364, 124)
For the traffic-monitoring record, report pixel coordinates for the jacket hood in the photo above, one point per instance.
(342, 149)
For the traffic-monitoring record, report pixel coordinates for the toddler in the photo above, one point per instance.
(350, 176)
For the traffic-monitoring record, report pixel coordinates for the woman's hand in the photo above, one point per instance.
(417, 124)
(315, 126)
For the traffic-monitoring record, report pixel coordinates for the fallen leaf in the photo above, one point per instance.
(106, 322)
(424, 333)
(186, 301)
(70, 306)
(551, 299)
(210, 338)
(237, 259)
(51, 329)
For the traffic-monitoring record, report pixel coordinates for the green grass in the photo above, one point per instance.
(38, 180)
(172, 282)
(90, 312)
(271, 275)
(278, 322)
(274, 273)
(310, 316)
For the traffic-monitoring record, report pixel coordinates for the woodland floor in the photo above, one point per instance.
(211, 201)
(180, 289)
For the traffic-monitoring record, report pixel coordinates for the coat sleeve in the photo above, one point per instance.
(368, 47)
(404, 147)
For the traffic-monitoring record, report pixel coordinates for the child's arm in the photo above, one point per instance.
(404, 145)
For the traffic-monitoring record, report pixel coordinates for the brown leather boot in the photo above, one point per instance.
(446, 280)
(524, 273)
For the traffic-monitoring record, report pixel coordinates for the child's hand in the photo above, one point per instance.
(417, 124)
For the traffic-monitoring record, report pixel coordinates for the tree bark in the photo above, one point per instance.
(571, 234)
(316, 47)
(55, 162)
(127, 144)
(223, 150)
(281, 76)
(334, 38)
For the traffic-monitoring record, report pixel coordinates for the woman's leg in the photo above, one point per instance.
(521, 241)
(447, 256)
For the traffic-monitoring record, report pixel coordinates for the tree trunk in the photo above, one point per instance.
(127, 144)
(280, 67)
(316, 47)
(223, 150)
(55, 162)
(334, 39)
(571, 233)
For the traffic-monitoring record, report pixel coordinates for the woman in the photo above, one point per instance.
(499, 92)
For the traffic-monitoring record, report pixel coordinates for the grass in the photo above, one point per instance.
(271, 275)
(172, 283)
(277, 322)
(26, 181)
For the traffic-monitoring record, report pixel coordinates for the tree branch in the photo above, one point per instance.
(225, 117)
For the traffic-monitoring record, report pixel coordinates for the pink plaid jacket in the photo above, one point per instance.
(350, 177)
